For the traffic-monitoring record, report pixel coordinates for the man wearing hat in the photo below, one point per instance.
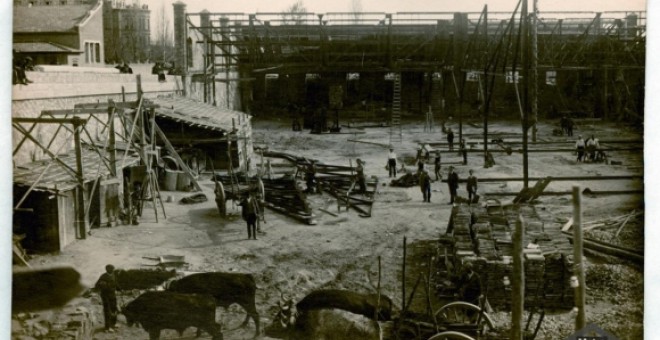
(452, 182)
(470, 285)
(107, 288)
(425, 184)
(391, 162)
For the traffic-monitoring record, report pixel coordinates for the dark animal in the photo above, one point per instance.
(362, 304)
(226, 288)
(156, 311)
(142, 278)
(320, 315)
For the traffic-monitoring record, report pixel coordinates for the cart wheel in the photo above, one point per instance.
(460, 312)
(221, 199)
(451, 335)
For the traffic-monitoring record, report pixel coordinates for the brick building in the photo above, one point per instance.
(126, 31)
(60, 35)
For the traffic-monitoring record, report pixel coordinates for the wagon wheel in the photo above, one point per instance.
(451, 335)
(221, 198)
(460, 312)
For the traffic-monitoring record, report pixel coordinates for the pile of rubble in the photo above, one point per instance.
(74, 322)
(482, 236)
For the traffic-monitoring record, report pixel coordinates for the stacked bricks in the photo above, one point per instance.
(483, 236)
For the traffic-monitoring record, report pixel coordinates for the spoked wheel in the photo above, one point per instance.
(464, 313)
(451, 335)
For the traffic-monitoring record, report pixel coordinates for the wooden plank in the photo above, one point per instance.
(623, 224)
(176, 156)
(568, 225)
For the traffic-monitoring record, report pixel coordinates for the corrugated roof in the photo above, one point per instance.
(196, 114)
(43, 47)
(49, 18)
(57, 178)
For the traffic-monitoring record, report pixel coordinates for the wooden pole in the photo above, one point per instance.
(518, 283)
(111, 141)
(403, 276)
(81, 218)
(378, 293)
(578, 269)
(534, 70)
(524, 44)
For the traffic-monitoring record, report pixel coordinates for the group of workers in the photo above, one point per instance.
(588, 150)
(425, 178)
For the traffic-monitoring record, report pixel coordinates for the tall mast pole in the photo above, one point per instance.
(535, 73)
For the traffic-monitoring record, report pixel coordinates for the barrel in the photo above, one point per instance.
(183, 181)
(171, 179)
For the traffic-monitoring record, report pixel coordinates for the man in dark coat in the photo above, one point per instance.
(452, 182)
(470, 285)
(107, 288)
(361, 179)
(471, 187)
(450, 139)
(463, 148)
(249, 209)
(425, 185)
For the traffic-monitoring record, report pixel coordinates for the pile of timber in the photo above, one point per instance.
(345, 190)
(284, 196)
(482, 236)
(337, 180)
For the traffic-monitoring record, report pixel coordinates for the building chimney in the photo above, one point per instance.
(180, 36)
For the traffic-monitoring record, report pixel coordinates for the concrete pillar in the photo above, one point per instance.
(180, 35)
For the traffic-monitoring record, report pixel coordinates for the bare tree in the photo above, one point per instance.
(294, 14)
(356, 10)
(163, 46)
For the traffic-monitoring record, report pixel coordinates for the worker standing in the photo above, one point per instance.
(438, 166)
(463, 151)
(425, 185)
(249, 212)
(452, 182)
(450, 139)
(472, 187)
(579, 148)
(391, 162)
(361, 179)
(310, 177)
(107, 288)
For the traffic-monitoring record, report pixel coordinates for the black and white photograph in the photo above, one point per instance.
(331, 170)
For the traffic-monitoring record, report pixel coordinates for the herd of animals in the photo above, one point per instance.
(191, 301)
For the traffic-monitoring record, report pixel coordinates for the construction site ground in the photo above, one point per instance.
(342, 251)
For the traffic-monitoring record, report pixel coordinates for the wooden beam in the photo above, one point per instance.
(556, 179)
(120, 105)
(49, 120)
(518, 282)
(176, 156)
(73, 111)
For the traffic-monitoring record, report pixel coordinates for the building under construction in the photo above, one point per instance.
(383, 65)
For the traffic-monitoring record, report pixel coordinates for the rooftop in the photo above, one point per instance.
(196, 113)
(43, 47)
(57, 178)
(49, 18)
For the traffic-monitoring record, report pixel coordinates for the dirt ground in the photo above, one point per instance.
(341, 252)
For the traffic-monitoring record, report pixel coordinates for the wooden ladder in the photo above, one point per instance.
(395, 122)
